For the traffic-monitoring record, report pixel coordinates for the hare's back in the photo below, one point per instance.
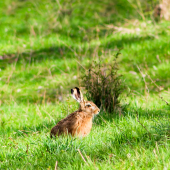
(66, 125)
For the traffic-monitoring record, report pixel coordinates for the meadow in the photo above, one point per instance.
(45, 47)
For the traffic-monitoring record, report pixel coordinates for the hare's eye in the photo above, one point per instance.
(88, 105)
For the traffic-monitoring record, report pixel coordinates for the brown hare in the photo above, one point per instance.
(78, 123)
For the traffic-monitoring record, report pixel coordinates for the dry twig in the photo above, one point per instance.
(143, 125)
(143, 76)
(164, 100)
(56, 165)
(82, 156)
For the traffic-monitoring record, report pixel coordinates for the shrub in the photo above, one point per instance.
(103, 84)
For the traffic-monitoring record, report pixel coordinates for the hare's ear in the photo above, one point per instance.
(76, 93)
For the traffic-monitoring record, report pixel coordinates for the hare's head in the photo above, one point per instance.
(85, 106)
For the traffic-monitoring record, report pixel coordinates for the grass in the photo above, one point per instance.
(44, 48)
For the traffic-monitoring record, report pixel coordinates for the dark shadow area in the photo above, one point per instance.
(124, 40)
(61, 52)
(36, 56)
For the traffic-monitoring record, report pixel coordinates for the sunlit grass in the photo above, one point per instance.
(44, 48)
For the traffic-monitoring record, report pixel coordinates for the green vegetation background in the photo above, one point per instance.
(45, 46)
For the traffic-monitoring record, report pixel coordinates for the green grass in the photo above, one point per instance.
(44, 48)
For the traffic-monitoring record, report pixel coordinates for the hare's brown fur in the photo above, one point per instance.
(78, 123)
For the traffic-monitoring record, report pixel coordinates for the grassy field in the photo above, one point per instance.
(45, 47)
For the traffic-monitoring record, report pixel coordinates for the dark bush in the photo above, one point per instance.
(103, 84)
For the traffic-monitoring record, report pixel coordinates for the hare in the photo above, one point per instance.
(78, 123)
